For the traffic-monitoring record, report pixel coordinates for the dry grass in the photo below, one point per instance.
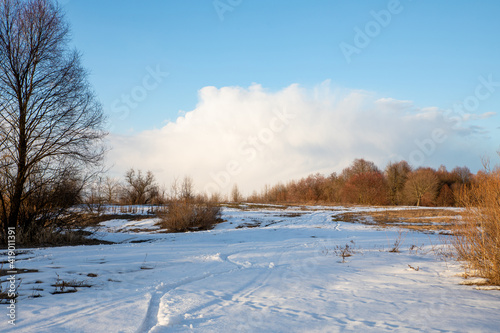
(68, 231)
(478, 240)
(63, 287)
(54, 236)
(397, 243)
(93, 220)
(443, 220)
(255, 206)
(190, 215)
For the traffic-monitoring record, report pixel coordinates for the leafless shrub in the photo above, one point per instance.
(236, 194)
(54, 235)
(190, 215)
(477, 241)
(343, 252)
(397, 242)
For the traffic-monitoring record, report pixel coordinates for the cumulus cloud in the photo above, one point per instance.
(252, 137)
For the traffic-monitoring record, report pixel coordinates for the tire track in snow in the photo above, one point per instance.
(241, 295)
(151, 318)
(152, 314)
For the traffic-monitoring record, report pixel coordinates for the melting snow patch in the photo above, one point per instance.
(487, 288)
(209, 257)
(474, 281)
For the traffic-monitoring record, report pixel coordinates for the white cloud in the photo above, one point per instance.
(254, 137)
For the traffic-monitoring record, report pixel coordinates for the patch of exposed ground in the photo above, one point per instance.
(253, 206)
(425, 219)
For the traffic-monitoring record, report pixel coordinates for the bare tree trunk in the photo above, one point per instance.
(15, 202)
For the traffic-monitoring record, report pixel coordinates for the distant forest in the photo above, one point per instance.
(363, 183)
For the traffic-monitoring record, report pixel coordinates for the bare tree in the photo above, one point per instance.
(95, 197)
(111, 190)
(187, 188)
(141, 189)
(396, 175)
(50, 121)
(462, 174)
(174, 190)
(357, 167)
(421, 186)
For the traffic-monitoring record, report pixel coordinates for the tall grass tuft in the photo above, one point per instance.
(477, 240)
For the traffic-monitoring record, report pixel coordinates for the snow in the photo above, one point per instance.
(119, 225)
(281, 276)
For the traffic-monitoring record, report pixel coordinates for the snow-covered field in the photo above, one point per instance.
(281, 275)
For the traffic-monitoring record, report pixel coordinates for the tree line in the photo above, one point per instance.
(363, 183)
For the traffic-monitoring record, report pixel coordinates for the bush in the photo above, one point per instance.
(478, 238)
(190, 215)
(53, 236)
(47, 205)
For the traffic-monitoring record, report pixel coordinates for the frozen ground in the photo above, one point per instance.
(280, 275)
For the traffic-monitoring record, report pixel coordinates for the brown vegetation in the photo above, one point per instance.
(478, 239)
(368, 188)
(186, 211)
(422, 219)
(190, 215)
(396, 175)
(362, 183)
(421, 187)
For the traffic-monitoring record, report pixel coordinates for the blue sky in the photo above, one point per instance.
(433, 54)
